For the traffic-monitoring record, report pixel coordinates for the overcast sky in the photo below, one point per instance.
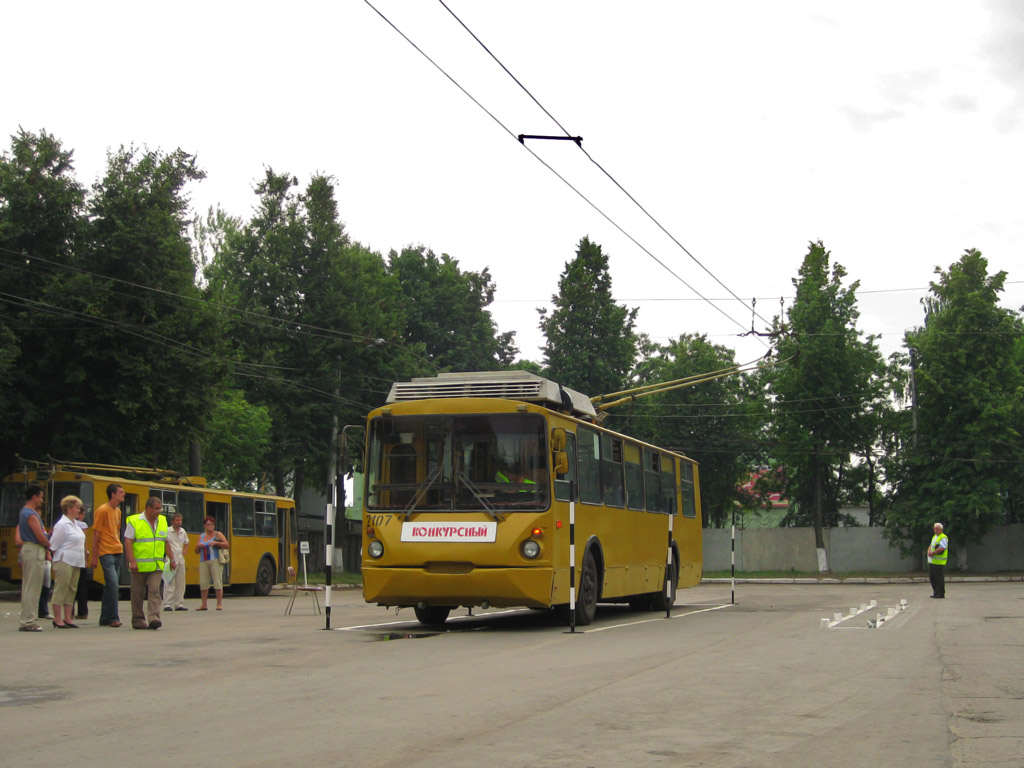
(891, 131)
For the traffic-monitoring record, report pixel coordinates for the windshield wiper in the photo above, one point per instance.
(477, 494)
(421, 492)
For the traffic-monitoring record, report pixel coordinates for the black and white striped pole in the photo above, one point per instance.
(572, 558)
(733, 556)
(328, 551)
(668, 570)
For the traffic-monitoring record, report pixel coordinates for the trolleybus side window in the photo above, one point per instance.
(12, 501)
(668, 485)
(129, 507)
(563, 483)
(191, 506)
(689, 500)
(652, 480)
(266, 518)
(169, 498)
(634, 477)
(590, 466)
(242, 523)
(57, 491)
(611, 471)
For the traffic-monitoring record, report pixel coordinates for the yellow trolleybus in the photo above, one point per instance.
(262, 528)
(469, 479)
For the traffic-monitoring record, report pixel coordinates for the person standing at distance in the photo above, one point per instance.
(85, 575)
(68, 546)
(174, 588)
(107, 550)
(938, 551)
(210, 543)
(35, 551)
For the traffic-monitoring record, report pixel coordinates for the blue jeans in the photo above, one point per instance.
(111, 565)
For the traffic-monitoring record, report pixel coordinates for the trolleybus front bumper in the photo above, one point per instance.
(499, 587)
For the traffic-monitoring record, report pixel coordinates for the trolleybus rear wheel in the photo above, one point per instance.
(586, 605)
(264, 577)
(432, 615)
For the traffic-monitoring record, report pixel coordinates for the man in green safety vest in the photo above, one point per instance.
(938, 551)
(145, 543)
(514, 475)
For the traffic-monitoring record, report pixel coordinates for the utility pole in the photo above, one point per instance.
(914, 352)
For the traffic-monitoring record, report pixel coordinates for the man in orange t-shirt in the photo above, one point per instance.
(106, 551)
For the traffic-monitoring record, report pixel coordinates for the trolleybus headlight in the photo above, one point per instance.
(530, 549)
(375, 549)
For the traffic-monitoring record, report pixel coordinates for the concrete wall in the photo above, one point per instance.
(851, 549)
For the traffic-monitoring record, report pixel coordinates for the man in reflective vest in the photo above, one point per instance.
(514, 475)
(145, 542)
(938, 551)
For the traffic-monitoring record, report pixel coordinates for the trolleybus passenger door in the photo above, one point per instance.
(129, 507)
(282, 544)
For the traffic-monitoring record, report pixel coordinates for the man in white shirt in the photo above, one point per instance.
(174, 585)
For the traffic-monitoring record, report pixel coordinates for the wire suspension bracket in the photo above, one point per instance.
(578, 140)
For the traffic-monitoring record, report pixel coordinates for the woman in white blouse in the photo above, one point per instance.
(67, 542)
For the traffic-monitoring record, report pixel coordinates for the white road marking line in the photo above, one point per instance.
(660, 618)
(711, 607)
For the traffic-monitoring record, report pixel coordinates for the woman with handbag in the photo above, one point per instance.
(211, 544)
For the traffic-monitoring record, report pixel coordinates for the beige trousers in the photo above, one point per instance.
(33, 566)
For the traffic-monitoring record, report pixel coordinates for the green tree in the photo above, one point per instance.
(146, 369)
(236, 441)
(962, 465)
(824, 380)
(41, 205)
(590, 342)
(311, 310)
(712, 422)
(445, 310)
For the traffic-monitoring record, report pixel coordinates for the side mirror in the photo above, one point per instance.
(558, 439)
(561, 461)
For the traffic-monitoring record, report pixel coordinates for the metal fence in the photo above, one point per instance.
(854, 549)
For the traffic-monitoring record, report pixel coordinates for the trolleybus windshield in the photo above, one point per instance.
(460, 462)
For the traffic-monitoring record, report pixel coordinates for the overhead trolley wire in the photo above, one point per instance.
(258, 320)
(602, 168)
(565, 181)
(152, 336)
(298, 326)
(753, 309)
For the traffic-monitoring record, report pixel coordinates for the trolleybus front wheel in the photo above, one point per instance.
(432, 615)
